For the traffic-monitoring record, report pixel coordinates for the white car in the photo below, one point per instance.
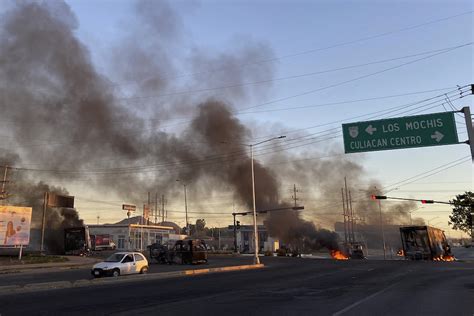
(121, 263)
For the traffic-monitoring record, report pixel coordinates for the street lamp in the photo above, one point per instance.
(255, 231)
(411, 221)
(257, 260)
(185, 206)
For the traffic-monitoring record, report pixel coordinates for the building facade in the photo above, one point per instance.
(245, 242)
(135, 236)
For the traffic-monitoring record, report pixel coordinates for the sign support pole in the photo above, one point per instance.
(21, 251)
(470, 130)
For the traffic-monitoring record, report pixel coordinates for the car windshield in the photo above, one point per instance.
(116, 257)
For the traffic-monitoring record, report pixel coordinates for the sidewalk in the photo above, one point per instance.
(74, 261)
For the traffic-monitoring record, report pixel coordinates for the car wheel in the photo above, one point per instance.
(144, 270)
(116, 273)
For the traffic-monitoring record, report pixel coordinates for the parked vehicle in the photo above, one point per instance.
(121, 263)
(425, 243)
(102, 242)
(77, 241)
(189, 251)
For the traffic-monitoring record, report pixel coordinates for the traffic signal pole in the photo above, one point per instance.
(383, 232)
(470, 130)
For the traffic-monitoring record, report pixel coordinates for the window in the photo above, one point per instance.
(121, 242)
(128, 258)
(138, 257)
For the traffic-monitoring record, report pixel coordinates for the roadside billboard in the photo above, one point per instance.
(15, 224)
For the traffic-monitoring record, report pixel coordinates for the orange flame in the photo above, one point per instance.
(444, 258)
(338, 255)
(401, 253)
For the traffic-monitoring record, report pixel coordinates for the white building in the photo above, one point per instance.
(135, 236)
(245, 242)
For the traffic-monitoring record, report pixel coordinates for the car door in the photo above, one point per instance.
(127, 265)
(140, 262)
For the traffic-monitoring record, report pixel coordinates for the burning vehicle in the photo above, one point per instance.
(189, 251)
(77, 241)
(356, 251)
(348, 251)
(339, 255)
(425, 243)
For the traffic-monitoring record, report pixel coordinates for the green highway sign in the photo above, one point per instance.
(402, 132)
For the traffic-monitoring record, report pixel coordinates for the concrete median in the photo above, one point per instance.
(48, 286)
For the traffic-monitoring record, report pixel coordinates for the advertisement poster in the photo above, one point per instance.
(15, 224)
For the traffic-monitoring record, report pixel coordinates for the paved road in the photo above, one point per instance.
(287, 286)
(72, 274)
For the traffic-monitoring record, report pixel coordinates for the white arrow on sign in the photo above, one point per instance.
(437, 136)
(370, 129)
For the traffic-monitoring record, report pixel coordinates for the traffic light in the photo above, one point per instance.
(427, 201)
(238, 225)
(378, 197)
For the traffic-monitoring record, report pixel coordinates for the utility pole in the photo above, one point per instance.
(43, 222)
(163, 208)
(352, 217)
(235, 234)
(294, 194)
(148, 205)
(349, 218)
(344, 215)
(3, 193)
(156, 208)
(219, 236)
(186, 210)
(235, 228)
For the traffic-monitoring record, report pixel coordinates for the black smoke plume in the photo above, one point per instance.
(78, 124)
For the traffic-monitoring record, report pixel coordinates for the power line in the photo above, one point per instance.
(374, 114)
(218, 157)
(341, 44)
(416, 178)
(357, 78)
(336, 84)
(303, 75)
(48, 142)
(343, 102)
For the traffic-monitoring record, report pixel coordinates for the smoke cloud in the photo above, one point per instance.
(75, 123)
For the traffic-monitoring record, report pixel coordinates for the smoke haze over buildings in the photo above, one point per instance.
(70, 122)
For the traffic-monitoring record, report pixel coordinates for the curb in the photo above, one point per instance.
(36, 287)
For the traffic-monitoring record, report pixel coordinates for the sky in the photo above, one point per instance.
(317, 56)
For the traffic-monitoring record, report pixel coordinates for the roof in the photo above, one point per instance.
(132, 225)
(127, 252)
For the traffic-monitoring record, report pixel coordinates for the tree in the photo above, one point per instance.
(461, 218)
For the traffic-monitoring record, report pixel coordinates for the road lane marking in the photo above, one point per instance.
(365, 299)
